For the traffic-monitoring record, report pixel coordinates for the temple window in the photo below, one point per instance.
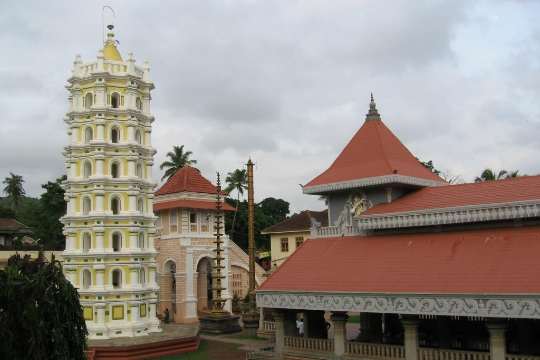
(87, 242)
(114, 170)
(86, 279)
(115, 206)
(140, 205)
(115, 135)
(117, 278)
(299, 240)
(87, 169)
(142, 277)
(284, 244)
(116, 241)
(115, 100)
(88, 135)
(173, 221)
(88, 100)
(87, 205)
(193, 222)
(205, 220)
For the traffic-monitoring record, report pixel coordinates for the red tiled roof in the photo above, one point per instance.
(12, 225)
(373, 151)
(487, 261)
(299, 222)
(190, 204)
(488, 192)
(187, 179)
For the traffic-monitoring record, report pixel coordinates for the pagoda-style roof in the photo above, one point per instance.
(187, 179)
(12, 226)
(299, 222)
(190, 204)
(374, 156)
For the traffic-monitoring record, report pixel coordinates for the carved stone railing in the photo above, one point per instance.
(521, 357)
(374, 351)
(333, 231)
(309, 344)
(269, 326)
(446, 354)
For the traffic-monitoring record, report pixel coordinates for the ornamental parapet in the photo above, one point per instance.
(334, 231)
(453, 215)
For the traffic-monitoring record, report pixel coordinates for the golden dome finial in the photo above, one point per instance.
(110, 51)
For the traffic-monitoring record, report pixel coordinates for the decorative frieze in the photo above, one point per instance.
(526, 307)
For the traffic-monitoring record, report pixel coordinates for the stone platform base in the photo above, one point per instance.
(219, 324)
(175, 339)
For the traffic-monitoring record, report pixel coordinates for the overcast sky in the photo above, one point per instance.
(286, 82)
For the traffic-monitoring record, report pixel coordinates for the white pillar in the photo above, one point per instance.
(497, 340)
(340, 332)
(99, 166)
(191, 298)
(134, 312)
(131, 167)
(134, 277)
(279, 318)
(75, 134)
(410, 327)
(100, 307)
(99, 239)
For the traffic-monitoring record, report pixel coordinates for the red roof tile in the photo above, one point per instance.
(373, 151)
(488, 192)
(190, 204)
(298, 222)
(492, 261)
(187, 179)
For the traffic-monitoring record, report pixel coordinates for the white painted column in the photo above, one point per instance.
(147, 137)
(133, 238)
(132, 203)
(226, 294)
(148, 174)
(410, 341)
(75, 134)
(100, 233)
(100, 276)
(279, 318)
(73, 169)
(135, 312)
(134, 277)
(339, 319)
(131, 167)
(497, 340)
(100, 307)
(100, 203)
(191, 297)
(100, 162)
(70, 241)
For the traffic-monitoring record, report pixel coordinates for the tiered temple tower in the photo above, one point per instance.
(109, 225)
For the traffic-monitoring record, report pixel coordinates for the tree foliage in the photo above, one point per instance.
(236, 181)
(268, 212)
(178, 158)
(40, 313)
(14, 189)
(492, 175)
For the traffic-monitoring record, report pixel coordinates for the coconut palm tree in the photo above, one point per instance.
(236, 181)
(14, 189)
(491, 175)
(178, 158)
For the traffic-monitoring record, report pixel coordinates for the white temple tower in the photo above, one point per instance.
(109, 225)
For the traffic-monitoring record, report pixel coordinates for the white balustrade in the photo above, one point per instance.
(309, 344)
(446, 354)
(375, 351)
(521, 357)
(271, 326)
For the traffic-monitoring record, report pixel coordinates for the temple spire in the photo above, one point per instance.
(373, 113)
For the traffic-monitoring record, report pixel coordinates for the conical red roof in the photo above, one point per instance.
(187, 179)
(374, 151)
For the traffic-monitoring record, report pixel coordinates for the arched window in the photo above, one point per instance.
(115, 100)
(138, 103)
(87, 205)
(142, 277)
(86, 242)
(117, 278)
(141, 241)
(115, 135)
(87, 169)
(115, 205)
(86, 279)
(116, 241)
(140, 205)
(115, 172)
(138, 171)
(88, 135)
(138, 137)
(88, 100)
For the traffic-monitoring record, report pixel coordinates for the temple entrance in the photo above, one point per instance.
(204, 285)
(168, 286)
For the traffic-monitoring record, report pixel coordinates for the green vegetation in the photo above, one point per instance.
(354, 319)
(177, 160)
(491, 175)
(40, 314)
(210, 350)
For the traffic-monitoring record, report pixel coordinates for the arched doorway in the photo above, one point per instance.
(204, 284)
(168, 287)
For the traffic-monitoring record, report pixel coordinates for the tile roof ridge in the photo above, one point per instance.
(485, 183)
(385, 155)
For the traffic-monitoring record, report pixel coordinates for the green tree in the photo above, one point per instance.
(178, 158)
(14, 189)
(430, 166)
(492, 175)
(53, 207)
(40, 314)
(236, 181)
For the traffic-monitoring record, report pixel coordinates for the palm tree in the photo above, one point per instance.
(236, 180)
(14, 189)
(490, 175)
(177, 160)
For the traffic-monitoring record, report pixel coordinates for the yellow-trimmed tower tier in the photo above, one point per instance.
(110, 224)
